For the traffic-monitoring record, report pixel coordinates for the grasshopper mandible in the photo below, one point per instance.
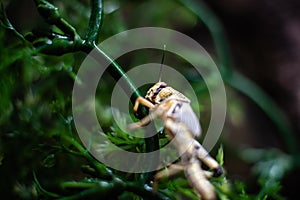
(182, 125)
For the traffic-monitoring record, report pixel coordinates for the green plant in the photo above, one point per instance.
(37, 120)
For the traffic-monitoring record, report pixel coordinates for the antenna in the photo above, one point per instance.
(161, 63)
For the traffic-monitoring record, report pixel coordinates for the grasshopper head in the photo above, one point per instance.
(158, 92)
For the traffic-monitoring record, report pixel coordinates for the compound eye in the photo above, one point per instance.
(157, 91)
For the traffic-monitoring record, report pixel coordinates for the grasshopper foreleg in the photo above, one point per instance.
(143, 101)
(143, 122)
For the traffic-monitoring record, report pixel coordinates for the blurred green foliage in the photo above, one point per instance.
(40, 153)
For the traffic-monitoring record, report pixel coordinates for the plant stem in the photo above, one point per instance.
(103, 189)
(102, 171)
(95, 23)
(117, 72)
(79, 185)
(151, 143)
(145, 193)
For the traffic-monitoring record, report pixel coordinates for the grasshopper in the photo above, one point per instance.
(182, 125)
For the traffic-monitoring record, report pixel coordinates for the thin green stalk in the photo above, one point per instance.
(145, 193)
(78, 185)
(103, 189)
(117, 72)
(95, 23)
(92, 188)
(151, 143)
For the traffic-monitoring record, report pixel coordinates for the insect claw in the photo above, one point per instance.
(218, 172)
(174, 109)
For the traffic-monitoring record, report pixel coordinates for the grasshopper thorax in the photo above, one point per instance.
(161, 91)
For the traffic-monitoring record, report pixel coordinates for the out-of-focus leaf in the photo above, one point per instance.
(269, 163)
(49, 161)
(24, 191)
(111, 6)
(241, 191)
(220, 156)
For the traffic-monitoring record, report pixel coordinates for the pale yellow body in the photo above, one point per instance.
(181, 125)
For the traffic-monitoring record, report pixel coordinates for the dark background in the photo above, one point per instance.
(264, 42)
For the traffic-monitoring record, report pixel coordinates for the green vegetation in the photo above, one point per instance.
(41, 156)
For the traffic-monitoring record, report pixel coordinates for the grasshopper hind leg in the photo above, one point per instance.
(198, 180)
(204, 156)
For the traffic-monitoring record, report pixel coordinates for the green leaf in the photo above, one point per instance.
(220, 156)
